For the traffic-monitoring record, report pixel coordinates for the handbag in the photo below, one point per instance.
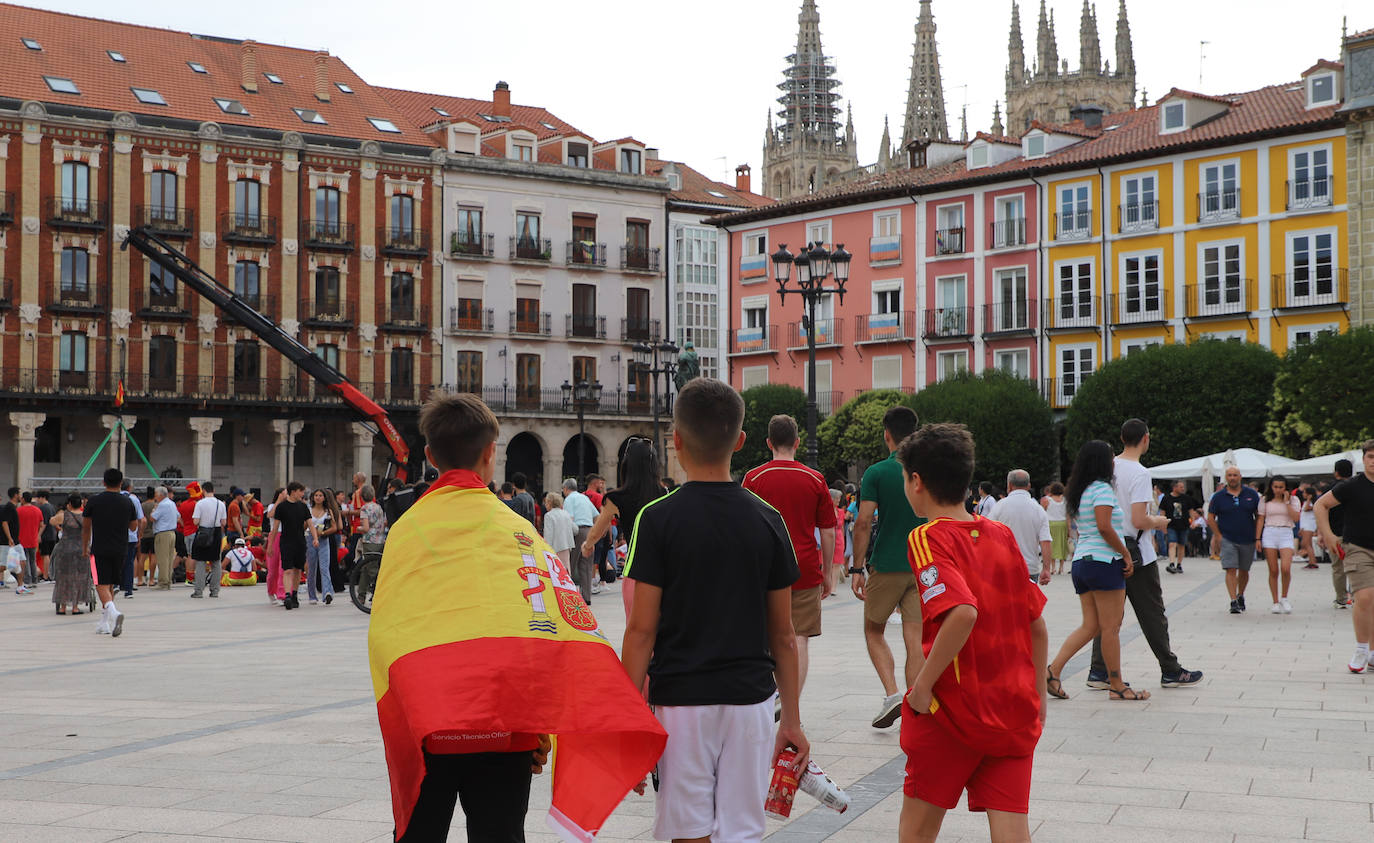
(1133, 545)
(206, 542)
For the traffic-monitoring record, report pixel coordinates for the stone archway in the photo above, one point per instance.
(591, 457)
(525, 454)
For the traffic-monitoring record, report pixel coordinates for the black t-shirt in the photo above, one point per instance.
(292, 515)
(9, 514)
(628, 506)
(1356, 496)
(523, 505)
(110, 514)
(1336, 515)
(712, 643)
(1177, 508)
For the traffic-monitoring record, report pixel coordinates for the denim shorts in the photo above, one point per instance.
(1090, 574)
(1178, 536)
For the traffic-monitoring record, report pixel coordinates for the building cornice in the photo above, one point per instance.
(553, 172)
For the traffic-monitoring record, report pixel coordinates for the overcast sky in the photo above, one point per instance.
(696, 78)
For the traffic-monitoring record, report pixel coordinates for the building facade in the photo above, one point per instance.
(1357, 64)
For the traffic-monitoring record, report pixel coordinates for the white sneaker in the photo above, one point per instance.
(597, 589)
(890, 711)
(116, 621)
(1276, 609)
(103, 627)
(1287, 607)
(1359, 661)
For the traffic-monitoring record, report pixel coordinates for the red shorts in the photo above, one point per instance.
(939, 768)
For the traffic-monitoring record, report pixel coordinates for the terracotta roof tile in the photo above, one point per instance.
(419, 107)
(696, 188)
(1324, 64)
(1077, 129)
(991, 138)
(1179, 92)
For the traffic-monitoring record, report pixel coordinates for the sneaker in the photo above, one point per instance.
(1235, 607)
(286, 602)
(1180, 679)
(328, 598)
(1359, 661)
(1339, 604)
(103, 628)
(890, 711)
(1098, 681)
(1286, 606)
(23, 589)
(1240, 598)
(1171, 568)
(1179, 566)
(597, 589)
(117, 623)
(1276, 609)
(197, 595)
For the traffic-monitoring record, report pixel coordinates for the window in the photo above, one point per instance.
(1009, 226)
(1311, 184)
(631, 161)
(147, 96)
(1220, 194)
(583, 370)
(303, 446)
(577, 155)
(637, 314)
(1015, 362)
(1075, 212)
(1012, 311)
(76, 188)
(342, 87)
(246, 277)
(75, 279)
(469, 372)
(818, 232)
(584, 310)
(58, 85)
(950, 363)
(402, 217)
(523, 151)
(1074, 286)
(950, 315)
(756, 243)
(326, 222)
(328, 301)
(1222, 290)
(528, 244)
(468, 238)
(197, 67)
(231, 107)
(978, 156)
(162, 196)
(1129, 347)
(402, 297)
(1140, 210)
(527, 380)
(310, 116)
(439, 111)
(1035, 146)
(753, 331)
(1304, 334)
(402, 369)
(329, 353)
(72, 355)
(698, 322)
(1076, 363)
(382, 125)
(887, 224)
(887, 301)
(584, 239)
(637, 245)
(273, 78)
(887, 372)
(469, 315)
(751, 376)
(116, 56)
(1141, 299)
(1313, 268)
(246, 362)
(32, 44)
(247, 202)
(162, 363)
(1173, 117)
(675, 181)
(162, 286)
(1322, 89)
(949, 230)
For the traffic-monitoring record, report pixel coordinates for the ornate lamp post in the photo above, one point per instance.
(658, 359)
(814, 264)
(583, 396)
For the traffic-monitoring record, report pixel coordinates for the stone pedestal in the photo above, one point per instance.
(362, 449)
(203, 444)
(281, 439)
(26, 426)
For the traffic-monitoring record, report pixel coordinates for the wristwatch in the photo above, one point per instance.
(859, 570)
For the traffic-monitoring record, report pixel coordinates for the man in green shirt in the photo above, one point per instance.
(891, 585)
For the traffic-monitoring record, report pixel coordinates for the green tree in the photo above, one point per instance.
(1011, 423)
(853, 435)
(1318, 406)
(1198, 399)
(761, 403)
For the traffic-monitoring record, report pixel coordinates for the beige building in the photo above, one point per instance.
(1357, 58)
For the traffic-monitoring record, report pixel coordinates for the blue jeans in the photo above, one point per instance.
(317, 558)
(127, 575)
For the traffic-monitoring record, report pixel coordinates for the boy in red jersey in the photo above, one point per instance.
(976, 711)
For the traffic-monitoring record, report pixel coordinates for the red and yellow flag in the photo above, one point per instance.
(119, 394)
(480, 639)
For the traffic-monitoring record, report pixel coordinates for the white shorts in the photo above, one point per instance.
(1278, 538)
(713, 776)
(1308, 521)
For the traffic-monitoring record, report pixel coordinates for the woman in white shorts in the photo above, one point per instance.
(1307, 524)
(1278, 514)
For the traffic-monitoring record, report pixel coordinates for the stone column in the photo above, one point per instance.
(108, 422)
(26, 425)
(281, 437)
(203, 443)
(362, 450)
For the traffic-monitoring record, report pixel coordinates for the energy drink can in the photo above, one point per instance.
(783, 788)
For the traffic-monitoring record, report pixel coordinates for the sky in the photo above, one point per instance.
(696, 79)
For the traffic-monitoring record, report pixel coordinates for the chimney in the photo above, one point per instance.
(248, 66)
(322, 75)
(1091, 115)
(651, 153)
(500, 100)
(742, 180)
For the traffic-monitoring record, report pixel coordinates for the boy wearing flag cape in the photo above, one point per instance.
(472, 684)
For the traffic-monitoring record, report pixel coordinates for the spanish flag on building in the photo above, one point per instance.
(480, 638)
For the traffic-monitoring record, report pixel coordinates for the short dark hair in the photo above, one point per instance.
(943, 455)
(900, 422)
(1056, 488)
(1344, 468)
(1133, 431)
(458, 427)
(42, 493)
(519, 479)
(295, 486)
(987, 488)
(28, 497)
(1367, 446)
(708, 413)
(782, 431)
(73, 500)
(113, 477)
(592, 478)
(507, 489)
(209, 487)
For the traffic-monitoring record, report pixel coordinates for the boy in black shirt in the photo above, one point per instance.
(290, 516)
(1355, 497)
(712, 653)
(1178, 507)
(105, 526)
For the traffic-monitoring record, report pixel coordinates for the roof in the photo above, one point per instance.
(991, 138)
(696, 188)
(1324, 64)
(1272, 111)
(423, 109)
(74, 48)
(1179, 92)
(1077, 129)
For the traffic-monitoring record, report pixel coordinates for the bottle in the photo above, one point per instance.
(816, 784)
(783, 787)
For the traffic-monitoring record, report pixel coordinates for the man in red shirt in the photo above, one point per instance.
(186, 509)
(30, 527)
(800, 495)
(976, 711)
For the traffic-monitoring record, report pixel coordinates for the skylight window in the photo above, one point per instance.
(344, 88)
(549, 126)
(116, 56)
(273, 78)
(32, 44)
(383, 125)
(147, 96)
(309, 116)
(439, 111)
(716, 193)
(493, 118)
(231, 106)
(61, 86)
(197, 67)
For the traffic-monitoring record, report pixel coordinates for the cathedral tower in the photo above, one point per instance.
(925, 96)
(1048, 93)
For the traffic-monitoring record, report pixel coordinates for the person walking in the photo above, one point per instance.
(1178, 507)
(47, 540)
(1342, 470)
(135, 534)
(70, 567)
(1232, 514)
(30, 528)
(275, 593)
(164, 520)
(324, 522)
(1356, 544)
(583, 513)
(291, 516)
(9, 525)
(1101, 568)
(372, 524)
(144, 570)
(1307, 525)
(522, 501)
(638, 473)
(1030, 525)
(1278, 515)
(1058, 517)
(986, 499)
(840, 560)
(209, 516)
(105, 526)
(559, 530)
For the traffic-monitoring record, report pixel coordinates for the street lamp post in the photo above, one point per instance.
(813, 265)
(657, 359)
(582, 396)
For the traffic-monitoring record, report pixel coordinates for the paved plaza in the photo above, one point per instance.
(229, 719)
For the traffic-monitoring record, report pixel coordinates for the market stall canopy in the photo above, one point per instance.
(1252, 463)
(1323, 466)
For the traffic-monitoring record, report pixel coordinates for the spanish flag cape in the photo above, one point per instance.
(480, 639)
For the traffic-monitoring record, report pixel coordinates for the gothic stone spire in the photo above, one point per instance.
(1125, 61)
(997, 128)
(925, 96)
(1089, 47)
(885, 148)
(1016, 48)
(810, 108)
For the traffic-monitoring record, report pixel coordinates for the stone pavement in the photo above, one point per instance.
(227, 719)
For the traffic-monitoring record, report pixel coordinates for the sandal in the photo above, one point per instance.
(1128, 694)
(1053, 686)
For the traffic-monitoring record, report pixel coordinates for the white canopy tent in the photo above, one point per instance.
(1252, 464)
(1323, 466)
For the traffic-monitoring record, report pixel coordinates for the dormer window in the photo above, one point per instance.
(231, 106)
(1321, 90)
(1173, 117)
(631, 161)
(674, 181)
(1035, 146)
(977, 156)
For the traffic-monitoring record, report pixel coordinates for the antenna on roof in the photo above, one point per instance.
(1202, 57)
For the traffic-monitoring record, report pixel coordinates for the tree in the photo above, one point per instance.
(761, 403)
(1318, 407)
(1011, 423)
(853, 435)
(1198, 399)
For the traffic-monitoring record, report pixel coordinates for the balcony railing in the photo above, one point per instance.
(1228, 297)
(167, 220)
(754, 340)
(1075, 225)
(1009, 317)
(81, 214)
(1009, 232)
(639, 258)
(1309, 193)
(400, 241)
(328, 235)
(1060, 391)
(263, 303)
(481, 322)
(1135, 307)
(328, 312)
(531, 398)
(155, 302)
(885, 249)
(530, 249)
(83, 298)
(640, 329)
(584, 254)
(248, 228)
(828, 332)
(828, 401)
(197, 390)
(461, 244)
(884, 327)
(6, 293)
(1137, 216)
(6, 207)
(949, 241)
(584, 326)
(948, 323)
(533, 324)
(1321, 288)
(1073, 313)
(412, 316)
(1217, 205)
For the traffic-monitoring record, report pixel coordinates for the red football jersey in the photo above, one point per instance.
(800, 495)
(987, 696)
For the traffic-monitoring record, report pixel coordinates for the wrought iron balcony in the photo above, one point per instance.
(399, 241)
(328, 235)
(1009, 232)
(829, 401)
(1139, 306)
(639, 258)
(1060, 391)
(77, 214)
(884, 327)
(6, 294)
(585, 326)
(327, 312)
(1137, 216)
(585, 255)
(759, 340)
(168, 220)
(1220, 297)
(828, 332)
(531, 324)
(261, 302)
(949, 241)
(258, 229)
(1075, 225)
(1073, 313)
(531, 398)
(6, 207)
(943, 323)
(153, 301)
(78, 298)
(1321, 287)
(405, 317)
(1309, 193)
(1010, 317)
(530, 249)
(480, 321)
(640, 329)
(1218, 205)
(462, 244)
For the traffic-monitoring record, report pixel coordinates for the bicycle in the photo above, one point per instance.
(362, 580)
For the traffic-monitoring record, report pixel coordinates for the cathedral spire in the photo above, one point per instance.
(849, 125)
(1046, 53)
(997, 129)
(1016, 49)
(925, 96)
(1089, 47)
(810, 109)
(963, 125)
(1125, 61)
(885, 149)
